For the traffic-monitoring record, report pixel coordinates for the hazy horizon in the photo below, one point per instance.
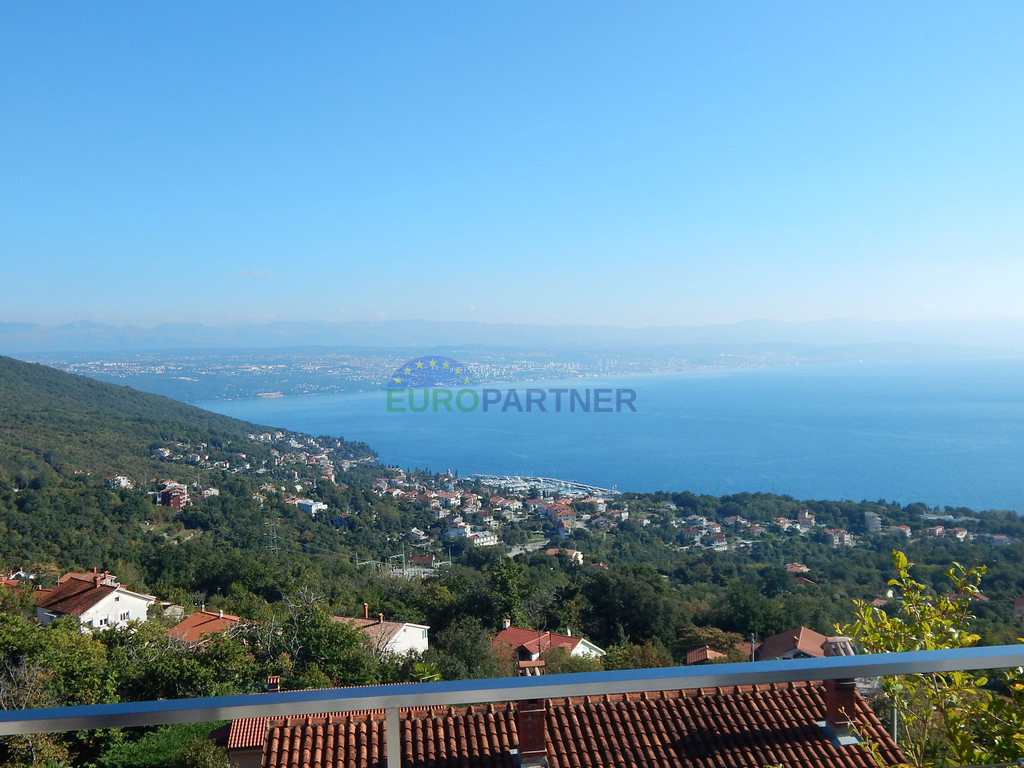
(908, 338)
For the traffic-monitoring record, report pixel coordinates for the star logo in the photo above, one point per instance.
(435, 371)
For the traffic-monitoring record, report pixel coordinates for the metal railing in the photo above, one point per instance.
(392, 698)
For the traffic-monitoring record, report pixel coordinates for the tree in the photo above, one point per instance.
(465, 651)
(690, 637)
(947, 717)
(557, 661)
(633, 656)
(326, 649)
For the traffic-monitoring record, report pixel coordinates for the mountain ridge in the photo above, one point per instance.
(993, 334)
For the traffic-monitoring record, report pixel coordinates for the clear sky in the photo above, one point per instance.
(631, 163)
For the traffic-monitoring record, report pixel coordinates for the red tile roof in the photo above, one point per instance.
(702, 654)
(74, 597)
(192, 629)
(535, 640)
(747, 727)
(379, 630)
(802, 639)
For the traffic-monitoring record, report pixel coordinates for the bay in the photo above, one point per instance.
(942, 433)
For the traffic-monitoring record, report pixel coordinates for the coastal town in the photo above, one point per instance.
(233, 559)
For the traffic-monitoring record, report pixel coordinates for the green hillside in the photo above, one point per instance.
(74, 425)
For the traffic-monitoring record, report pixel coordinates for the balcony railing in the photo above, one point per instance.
(392, 698)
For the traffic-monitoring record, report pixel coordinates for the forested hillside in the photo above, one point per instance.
(73, 424)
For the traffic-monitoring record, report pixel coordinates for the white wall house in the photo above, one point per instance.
(410, 638)
(96, 601)
(389, 638)
(311, 507)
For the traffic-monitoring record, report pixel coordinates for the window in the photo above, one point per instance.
(125, 615)
(104, 621)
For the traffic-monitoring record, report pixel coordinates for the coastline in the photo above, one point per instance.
(941, 434)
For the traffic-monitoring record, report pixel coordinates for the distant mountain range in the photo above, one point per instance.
(1001, 335)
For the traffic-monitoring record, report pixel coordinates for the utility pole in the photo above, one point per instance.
(271, 524)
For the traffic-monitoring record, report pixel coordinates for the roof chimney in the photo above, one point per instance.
(838, 646)
(366, 610)
(531, 727)
(220, 614)
(273, 683)
(840, 695)
(506, 623)
(840, 705)
(380, 618)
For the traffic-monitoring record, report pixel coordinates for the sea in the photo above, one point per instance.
(941, 433)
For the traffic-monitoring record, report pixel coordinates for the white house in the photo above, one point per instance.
(389, 638)
(484, 538)
(95, 599)
(311, 507)
(529, 645)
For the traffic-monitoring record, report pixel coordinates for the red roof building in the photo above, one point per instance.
(95, 600)
(394, 638)
(735, 727)
(530, 644)
(201, 623)
(703, 655)
(799, 643)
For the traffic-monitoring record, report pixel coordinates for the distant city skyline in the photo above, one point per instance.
(631, 165)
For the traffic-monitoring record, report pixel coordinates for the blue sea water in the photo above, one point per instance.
(949, 433)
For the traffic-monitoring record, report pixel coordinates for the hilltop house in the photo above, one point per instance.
(805, 519)
(799, 643)
(529, 645)
(388, 638)
(193, 629)
(173, 494)
(95, 600)
(574, 555)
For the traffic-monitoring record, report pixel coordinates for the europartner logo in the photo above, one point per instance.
(441, 384)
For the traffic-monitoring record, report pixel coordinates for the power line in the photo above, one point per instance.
(272, 545)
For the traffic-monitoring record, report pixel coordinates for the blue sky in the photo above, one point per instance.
(627, 163)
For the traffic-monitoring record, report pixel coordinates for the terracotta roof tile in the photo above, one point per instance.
(192, 629)
(745, 727)
(536, 641)
(802, 639)
(380, 631)
(74, 597)
(702, 654)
